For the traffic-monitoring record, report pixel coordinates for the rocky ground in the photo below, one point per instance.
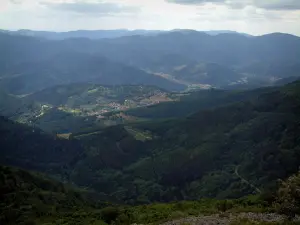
(227, 219)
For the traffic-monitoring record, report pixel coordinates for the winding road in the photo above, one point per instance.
(236, 171)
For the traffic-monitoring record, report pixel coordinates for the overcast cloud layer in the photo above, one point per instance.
(250, 16)
(263, 4)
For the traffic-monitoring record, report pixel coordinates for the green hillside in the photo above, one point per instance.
(222, 151)
(30, 198)
(207, 73)
(220, 147)
(70, 108)
(193, 102)
(31, 148)
(93, 99)
(228, 151)
(16, 107)
(210, 153)
(79, 94)
(9, 104)
(62, 121)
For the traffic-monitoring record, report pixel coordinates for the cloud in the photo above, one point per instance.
(16, 1)
(278, 4)
(195, 2)
(98, 8)
(248, 16)
(238, 4)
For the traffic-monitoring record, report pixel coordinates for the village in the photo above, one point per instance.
(142, 101)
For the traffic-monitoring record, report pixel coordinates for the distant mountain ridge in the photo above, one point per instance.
(24, 71)
(100, 34)
(227, 59)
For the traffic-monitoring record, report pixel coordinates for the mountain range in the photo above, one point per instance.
(171, 60)
(99, 34)
(96, 127)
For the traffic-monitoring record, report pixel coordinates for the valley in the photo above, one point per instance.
(144, 160)
(90, 100)
(149, 127)
(102, 104)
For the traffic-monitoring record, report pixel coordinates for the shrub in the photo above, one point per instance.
(288, 200)
(224, 205)
(109, 214)
(123, 219)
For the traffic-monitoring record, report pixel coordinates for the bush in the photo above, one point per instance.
(288, 200)
(109, 214)
(123, 219)
(224, 205)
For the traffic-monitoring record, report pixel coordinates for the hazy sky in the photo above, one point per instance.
(250, 16)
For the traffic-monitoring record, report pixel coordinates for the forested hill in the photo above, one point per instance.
(31, 148)
(193, 102)
(34, 198)
(199, 156)
(24, 71)
(207, 154)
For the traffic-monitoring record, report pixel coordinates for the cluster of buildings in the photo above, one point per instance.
(142, 101)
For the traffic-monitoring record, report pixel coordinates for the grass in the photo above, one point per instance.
(163, 212)
(155, 213)
(139, 135)
(64, 136)
(69, 110)
(93, 90)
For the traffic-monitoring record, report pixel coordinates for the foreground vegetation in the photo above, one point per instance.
(31, 198)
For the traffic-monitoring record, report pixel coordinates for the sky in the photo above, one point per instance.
(255, 17)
